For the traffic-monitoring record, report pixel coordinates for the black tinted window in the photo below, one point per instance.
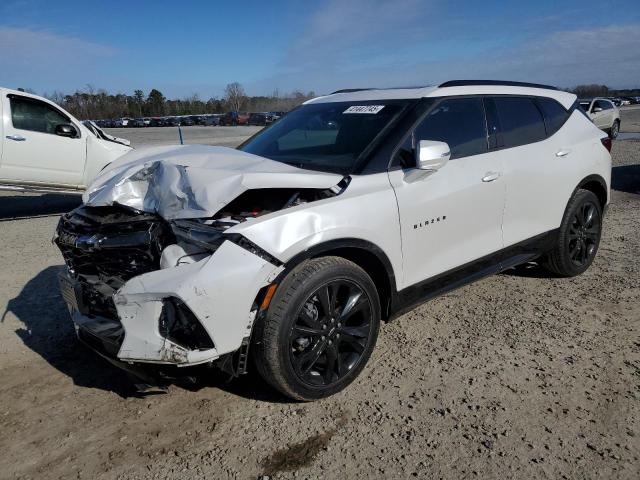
(27, 114)
(603, 104)
(520, 121)
(459, 122)
(554, 114)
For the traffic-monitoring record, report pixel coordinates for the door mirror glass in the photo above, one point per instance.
(66, 130)
(431, 154)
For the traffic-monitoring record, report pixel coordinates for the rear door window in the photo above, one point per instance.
(554, 114)
(520, 120)
(460, 123)
(34, 115)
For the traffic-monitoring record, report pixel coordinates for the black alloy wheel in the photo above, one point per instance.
(319, 330)
(578, 237)
(584, 234)
(330, 333)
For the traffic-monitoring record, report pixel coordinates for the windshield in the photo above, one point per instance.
(325, 136)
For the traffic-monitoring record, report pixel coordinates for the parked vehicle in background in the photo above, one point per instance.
(171, 122)
(235, 118)
(260, 118)
(136, 123)
(603, 113)
(146, 121)
(98, 132)
(292, 249)
(125, 122)
(44, 148)
(186, 121)
(212, 120)
(157, 122)
(198, 119)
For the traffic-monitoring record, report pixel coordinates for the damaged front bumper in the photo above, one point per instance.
(184, 315)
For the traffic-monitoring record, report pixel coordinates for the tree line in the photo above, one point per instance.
(100, 104)
(594, 90)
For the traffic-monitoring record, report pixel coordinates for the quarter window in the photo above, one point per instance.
(36, 116)
(520, 120)
(554, 114)
(459, 122)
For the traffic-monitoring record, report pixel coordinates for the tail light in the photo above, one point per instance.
(606, 141)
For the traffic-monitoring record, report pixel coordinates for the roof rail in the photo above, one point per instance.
(351, 90)
(466, 83)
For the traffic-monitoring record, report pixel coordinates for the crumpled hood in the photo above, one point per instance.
(193, 181)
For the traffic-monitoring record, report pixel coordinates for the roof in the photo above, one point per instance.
(457, 87)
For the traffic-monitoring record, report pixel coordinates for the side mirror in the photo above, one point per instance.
(431, 154)
(66, 130)
(596, 109)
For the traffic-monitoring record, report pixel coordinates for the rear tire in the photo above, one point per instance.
(320, 329)
(579, 236)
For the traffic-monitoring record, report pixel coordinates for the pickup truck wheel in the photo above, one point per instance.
(579, 236)
(615, 129)
(320, 329)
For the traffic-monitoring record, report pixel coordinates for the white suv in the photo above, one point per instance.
(604, 114)
(44, 148)
(350, 210)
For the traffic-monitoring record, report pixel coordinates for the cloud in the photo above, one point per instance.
(340, 28)
(24, 45)
(44, 60)
(606, 55)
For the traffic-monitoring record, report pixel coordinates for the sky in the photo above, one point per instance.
(197, 47)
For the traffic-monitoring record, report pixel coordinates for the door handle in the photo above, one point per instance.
(490, 176)
(563, 152)
(16, 138)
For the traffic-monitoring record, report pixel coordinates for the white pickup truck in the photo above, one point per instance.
(44, 148)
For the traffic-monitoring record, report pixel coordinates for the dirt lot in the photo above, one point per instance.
(517, 376)
(227, 136)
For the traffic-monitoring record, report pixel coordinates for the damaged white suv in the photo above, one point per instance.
(353, 208)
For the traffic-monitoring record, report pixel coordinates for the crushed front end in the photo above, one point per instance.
(144, 290)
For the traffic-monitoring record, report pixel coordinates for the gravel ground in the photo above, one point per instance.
(630, 118)
(515, 376)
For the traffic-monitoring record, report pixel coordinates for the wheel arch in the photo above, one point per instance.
(598, 186)
(368, 256)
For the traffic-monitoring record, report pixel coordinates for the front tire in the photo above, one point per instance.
(579, 236)
(614, 130)
(320, 329)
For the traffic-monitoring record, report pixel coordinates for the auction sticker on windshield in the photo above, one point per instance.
(364, 109)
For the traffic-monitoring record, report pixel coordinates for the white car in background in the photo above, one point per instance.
(44, 148)
(604, 114)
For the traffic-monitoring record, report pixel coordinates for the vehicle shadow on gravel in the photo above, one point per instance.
(48, 331)
(528, 270)
(18, 205)
(626, 178)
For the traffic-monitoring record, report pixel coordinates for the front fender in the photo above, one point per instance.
(367, 211)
